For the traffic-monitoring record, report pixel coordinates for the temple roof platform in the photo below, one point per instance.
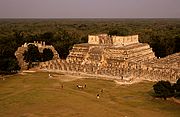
(103, 47)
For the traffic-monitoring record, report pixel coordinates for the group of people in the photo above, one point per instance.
(84, 86)
(80, 87)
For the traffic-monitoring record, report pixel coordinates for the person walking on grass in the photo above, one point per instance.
(97, 96)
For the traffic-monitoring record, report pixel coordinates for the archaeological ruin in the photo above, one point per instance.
(41, 46)
(121, 57)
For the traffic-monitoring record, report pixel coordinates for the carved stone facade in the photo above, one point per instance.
(41, 46)
(104, 39)
(167, 68)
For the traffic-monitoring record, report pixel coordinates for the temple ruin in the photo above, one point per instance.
(41, 46)
(120, 57)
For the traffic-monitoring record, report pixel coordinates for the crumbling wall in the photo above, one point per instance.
(125, 40)
(41, 46)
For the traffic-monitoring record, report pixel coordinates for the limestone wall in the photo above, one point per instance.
(125, 40)
(41, 46)
(122, 70)
(92, 39)
(78, 53)
(19, 55)
(115, 40)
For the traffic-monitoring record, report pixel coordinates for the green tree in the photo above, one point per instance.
(119, 32)
(8, 61)
(47, 37)
(177, 44)
(31, 55)
(47, 54)
(163, 89)
(9, 65)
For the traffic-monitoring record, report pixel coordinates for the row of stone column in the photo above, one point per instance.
(115, 69)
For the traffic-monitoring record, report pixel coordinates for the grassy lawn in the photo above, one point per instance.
(36, 95)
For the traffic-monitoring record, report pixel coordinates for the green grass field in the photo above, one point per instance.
(36, 95)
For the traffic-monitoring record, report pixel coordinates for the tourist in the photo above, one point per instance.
(102, 90)
(97, 96)
(50, 76)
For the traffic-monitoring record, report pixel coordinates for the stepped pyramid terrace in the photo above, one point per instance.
(103, 49)
(123, 58)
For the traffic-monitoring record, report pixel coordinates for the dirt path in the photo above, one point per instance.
(71, 76)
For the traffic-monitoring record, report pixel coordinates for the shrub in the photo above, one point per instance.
(163, 89)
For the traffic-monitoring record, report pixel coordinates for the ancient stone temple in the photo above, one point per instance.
(120, 57)
(41, 46)
(103, 49)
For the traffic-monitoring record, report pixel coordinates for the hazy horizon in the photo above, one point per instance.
(106, 9)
